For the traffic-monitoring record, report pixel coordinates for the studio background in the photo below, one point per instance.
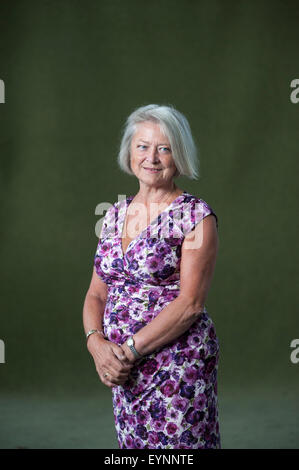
(73, 72)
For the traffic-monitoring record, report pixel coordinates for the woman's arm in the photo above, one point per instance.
(198, 259)
(108, 356)
(94, 305)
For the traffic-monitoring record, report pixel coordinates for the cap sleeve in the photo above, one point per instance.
(207, 210)
(196, 210)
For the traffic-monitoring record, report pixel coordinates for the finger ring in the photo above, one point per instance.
(106, 374)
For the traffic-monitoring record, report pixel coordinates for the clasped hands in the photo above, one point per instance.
(113, 362)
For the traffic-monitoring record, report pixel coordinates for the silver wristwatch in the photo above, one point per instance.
(130, 342)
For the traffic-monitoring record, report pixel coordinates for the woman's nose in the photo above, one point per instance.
(153, 154)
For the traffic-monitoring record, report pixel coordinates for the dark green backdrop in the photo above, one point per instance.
(73, 71)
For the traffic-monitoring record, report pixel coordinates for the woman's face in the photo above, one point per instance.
(151, 156)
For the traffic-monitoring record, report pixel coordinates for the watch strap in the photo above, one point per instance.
(133, 349)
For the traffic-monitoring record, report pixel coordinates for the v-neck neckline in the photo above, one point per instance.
(128, 201)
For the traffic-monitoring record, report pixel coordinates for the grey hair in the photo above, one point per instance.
(176, 128)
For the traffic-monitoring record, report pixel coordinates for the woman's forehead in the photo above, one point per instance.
(148, 131)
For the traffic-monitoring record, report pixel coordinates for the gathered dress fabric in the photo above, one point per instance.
(169, 400)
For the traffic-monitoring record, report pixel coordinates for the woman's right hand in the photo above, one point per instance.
(109, 358)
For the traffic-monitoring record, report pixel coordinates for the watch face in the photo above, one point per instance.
(130, 342)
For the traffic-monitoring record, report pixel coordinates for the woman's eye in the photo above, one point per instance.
(141, 145)
(164, 148)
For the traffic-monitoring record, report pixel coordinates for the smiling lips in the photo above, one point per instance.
(153, 170)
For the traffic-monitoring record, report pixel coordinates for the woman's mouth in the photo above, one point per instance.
(152, 170)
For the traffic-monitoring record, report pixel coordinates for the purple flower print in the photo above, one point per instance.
(149, 367)
(154, 263)
(193, 416)
(98, 263)
(164, 357)
(131, 420)
(140, 245)
(172, 241)
(166, 272)
(210, 364)
(113, 319)
(163, 438)
(187, 438)
(212, 333)
(137, 390)
(191, 374)
(207, 435)
(123, 313)
(151, 241)
(172, 414)
(148, 316)
(121, 423)
(143, 416)
(162, 249)
(170, 397)
(171, 428)
(199, 428)
(136, 327)
(116, 400)
(186, 390)
(161, 376)
(132, 289)
(193, 354)
(157, 409)
(212, 347)
(213, 378)
(169, 388)
(153, 296)
(212, 413)
(214, 441)
(168, 296)
(129, 396)
(173, 441)
(158, 424)
(208, 392)
(176, 374)
(117, 264)
(153, 438)
(135, 407)
(179, 403)
(129, 442)
(179, 359)
(115, 336)
(138, 443)
(194, 340)
(199, 401)
(146, 382)
(106, 246)
(133, 265)
(123, 414)
(182, 343)
(141, 431)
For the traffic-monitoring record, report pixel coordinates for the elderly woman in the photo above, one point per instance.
(147, 325)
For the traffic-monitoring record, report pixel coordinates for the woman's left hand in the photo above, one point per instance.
(128, 353)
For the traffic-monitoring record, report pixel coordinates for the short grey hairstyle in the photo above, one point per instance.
(176, 128)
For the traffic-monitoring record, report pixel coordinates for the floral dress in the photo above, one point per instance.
(170, 398)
